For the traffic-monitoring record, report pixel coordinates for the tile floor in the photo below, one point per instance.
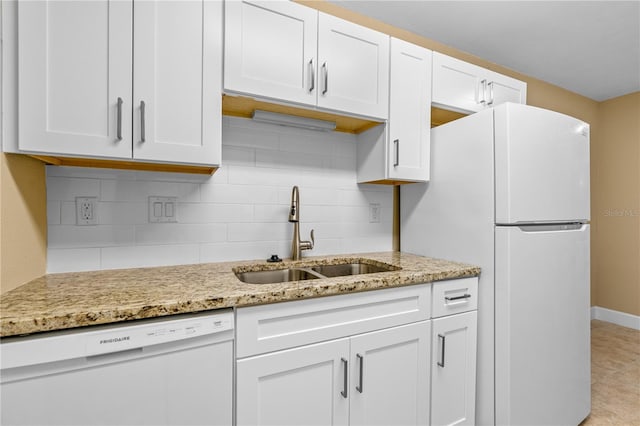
(615, 375)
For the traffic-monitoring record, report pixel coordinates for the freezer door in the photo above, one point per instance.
(541, 166)
(542, 325)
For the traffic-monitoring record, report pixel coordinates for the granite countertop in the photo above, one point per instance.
(68, 300)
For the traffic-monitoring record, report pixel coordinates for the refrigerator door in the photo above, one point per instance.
(541, 166)
(542, 325)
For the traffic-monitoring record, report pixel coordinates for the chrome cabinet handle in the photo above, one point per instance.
(312, 76)
(490, 84)
(142, 125)
(119, 120)
(326, 78)
(345, 366)
(396, 144)
(450, 299)
(482, 99)
(359, 388)
(442, 341)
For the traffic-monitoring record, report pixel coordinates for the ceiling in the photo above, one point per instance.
(588, 47)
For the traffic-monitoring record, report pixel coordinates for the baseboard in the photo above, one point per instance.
(615, 317)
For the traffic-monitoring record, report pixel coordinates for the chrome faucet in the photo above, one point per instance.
(294, 216)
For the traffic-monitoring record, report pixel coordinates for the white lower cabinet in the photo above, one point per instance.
(378, 378)
(390, 376)
(300, 386)
(453, 352)
(360, 359)
(453, 376)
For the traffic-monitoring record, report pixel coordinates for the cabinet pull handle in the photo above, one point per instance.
(326, 78)
(119, 120)
(396, 145)
(483, 83)
(142, 125)
(312, 76)
(442, 341)
(345, 366)
(359, 388)
(490, 93)
(450, 299)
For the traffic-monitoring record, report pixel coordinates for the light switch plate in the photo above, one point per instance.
(163, 209)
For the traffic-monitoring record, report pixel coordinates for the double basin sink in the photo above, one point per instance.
(313, 272)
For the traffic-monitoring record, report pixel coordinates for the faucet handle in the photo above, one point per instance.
(308, 245)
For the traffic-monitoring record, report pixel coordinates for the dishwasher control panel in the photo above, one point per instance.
(105, 339)
(137, 336)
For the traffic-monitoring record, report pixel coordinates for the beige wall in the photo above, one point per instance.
(616, 206)
(23, 220)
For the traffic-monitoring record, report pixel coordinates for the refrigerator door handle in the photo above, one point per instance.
(552, 227)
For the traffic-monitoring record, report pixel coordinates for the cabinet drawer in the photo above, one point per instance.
(454, 296)
(277, 326)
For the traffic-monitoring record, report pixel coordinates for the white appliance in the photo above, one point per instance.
(509, 192)
(176, 371)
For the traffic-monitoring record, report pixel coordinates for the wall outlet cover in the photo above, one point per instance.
(86, 211)
(374, 213)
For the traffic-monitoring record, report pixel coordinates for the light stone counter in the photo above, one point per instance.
(62, 301)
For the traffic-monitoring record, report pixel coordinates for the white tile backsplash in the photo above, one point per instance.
(76, 260)
(238, 213)
(154, 255)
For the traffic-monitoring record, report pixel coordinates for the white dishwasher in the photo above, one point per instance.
(172, 371)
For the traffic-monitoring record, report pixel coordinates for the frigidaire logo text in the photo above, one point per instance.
(115, 340)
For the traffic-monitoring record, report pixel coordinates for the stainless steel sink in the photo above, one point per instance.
(277, 276)
(344, 269)
(311, 272)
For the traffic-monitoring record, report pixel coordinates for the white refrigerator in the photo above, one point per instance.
(509, 192)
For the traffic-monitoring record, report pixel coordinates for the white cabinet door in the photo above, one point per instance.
(464, 87)
(270, 50)
(505, 89)
(390, 376)
(301, 386)
(456, 84)
(453, 370)
(177, 77)
(74, 64)
(353, 68)
(409, 112)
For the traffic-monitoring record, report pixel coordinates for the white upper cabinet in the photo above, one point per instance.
(177, 76)
(87, 68)
(284, 51)
(409, 112)
(74, 66)
(353, 68)
(461, 86)
(270, 50)
(400, 152)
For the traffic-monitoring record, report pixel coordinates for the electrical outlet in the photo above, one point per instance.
(163, 209)
(86, 213)
(374, 213)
